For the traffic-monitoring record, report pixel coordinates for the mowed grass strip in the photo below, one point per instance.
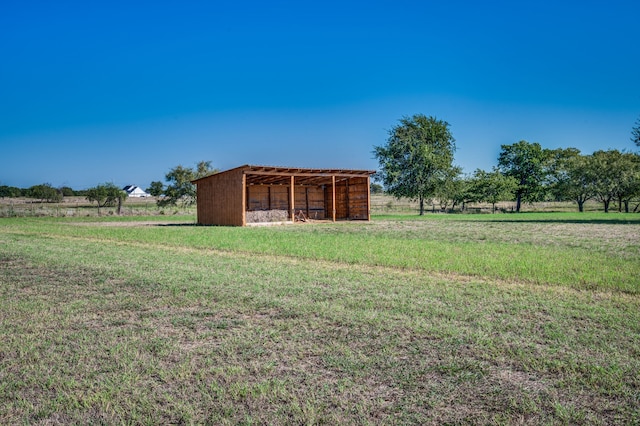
(591, 251)
(107, 331)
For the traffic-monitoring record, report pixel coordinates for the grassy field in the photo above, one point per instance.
(381, 204)
(481, 319)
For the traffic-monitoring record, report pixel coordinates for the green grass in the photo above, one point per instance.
(444, 319)
(582, 251)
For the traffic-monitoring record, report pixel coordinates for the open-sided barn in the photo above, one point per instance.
(249, 194)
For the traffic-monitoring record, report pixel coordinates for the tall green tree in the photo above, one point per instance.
(156, 188)
(376, 188)
(179, 189)
(67, 191)
(628, 173)
(492, 187)
(608, 172)
(557, 170)
(45, 192)
(616, 177)
(578, 180)
(635, 133)
(106, 194)
(417, 159)
(526, 162)
(10, 191)
(453, 190)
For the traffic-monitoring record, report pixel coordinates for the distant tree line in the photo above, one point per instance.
(417, 163)
(179, 191)
(44, 192)
(103, 195)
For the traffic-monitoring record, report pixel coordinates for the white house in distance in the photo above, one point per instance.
(135, 191)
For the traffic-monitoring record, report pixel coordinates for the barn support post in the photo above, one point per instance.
(244, 199)
(306, 200)
(348, 199)
(292, 204)
(333, 197)
(368, 198)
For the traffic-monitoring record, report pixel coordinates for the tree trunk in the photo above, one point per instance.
(421, 206)
(580, 206)
(518, 202)
(119, 206)
(626, 206)
(493, 208)
(606, 206)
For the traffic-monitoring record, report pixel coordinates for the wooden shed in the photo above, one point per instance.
(250, 194)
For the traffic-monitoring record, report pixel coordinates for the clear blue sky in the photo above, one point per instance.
(115, 91)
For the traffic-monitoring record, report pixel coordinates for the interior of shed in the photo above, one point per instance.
(269, 197)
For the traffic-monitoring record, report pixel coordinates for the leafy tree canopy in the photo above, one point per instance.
(417, 159)
(180, 190)
(526, 162)
(156, 188)
(635, 133)
(492, 187)
(106, 194)
(558, 164)
(376, 188)
(577, 182)
(67, 191)
(616, 177)
(45, 192)
(10, 191)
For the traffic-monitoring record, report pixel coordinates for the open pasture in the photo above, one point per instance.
(483, 319)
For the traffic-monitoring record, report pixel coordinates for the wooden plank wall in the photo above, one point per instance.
(310, 200)
(358, 198)
(352, 199)
(220, 199)
(328, 200)
(267, 197)
(342, 200)
(279, 197)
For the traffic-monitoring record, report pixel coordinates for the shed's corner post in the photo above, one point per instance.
(369, 197)
(333, 197)
(292, 205)
(244, 199)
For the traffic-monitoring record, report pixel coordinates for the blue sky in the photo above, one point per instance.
(94, 92)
